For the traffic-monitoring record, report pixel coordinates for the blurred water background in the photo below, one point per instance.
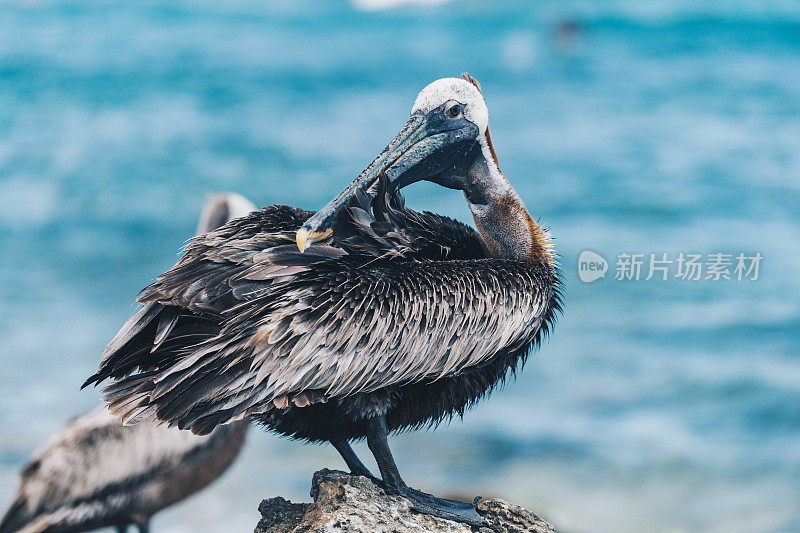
(659, 126)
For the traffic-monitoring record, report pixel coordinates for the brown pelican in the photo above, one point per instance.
(384, 319)
(96, 472)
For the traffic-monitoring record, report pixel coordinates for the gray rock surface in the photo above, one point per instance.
(345, 503)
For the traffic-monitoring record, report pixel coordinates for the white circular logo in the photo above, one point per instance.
(591, 266)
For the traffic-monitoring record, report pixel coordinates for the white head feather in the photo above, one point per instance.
(463, 92)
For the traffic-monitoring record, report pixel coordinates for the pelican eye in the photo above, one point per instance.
(454, 111)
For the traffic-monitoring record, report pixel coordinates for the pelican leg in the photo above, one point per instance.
(122, 529)
(424, 503)
(144, 527)
(355, 465)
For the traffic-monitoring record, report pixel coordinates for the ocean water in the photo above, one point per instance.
(640, 127)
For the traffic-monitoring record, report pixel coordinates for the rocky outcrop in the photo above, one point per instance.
(345, 503)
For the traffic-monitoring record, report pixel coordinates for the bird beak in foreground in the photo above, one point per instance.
(426, 146)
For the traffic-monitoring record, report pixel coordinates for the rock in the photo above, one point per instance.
(345, 503)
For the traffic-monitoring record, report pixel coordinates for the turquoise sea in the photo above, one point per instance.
(635, 127)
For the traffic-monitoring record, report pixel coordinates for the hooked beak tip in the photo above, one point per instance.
(305, 237)
(302, 239)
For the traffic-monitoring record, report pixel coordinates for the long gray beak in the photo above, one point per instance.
(320, 225)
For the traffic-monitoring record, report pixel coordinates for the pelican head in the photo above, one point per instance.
(446, 132)
(221, 208)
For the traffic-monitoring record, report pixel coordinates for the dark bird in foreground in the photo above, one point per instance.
(96, 472)
(362, 319)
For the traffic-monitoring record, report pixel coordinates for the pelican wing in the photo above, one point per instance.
(397, 323)
(338, 327)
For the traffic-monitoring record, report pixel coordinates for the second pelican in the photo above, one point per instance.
(96, 473)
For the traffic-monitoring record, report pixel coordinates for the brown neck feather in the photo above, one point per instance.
(509, 232)
(507, 229)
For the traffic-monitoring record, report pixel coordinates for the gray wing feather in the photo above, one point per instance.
(166, 323)
(379, 326)
(132, 327)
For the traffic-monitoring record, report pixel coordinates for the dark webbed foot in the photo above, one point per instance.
(455, 503)
(367, 474)
(441, 507)
(394, 484)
